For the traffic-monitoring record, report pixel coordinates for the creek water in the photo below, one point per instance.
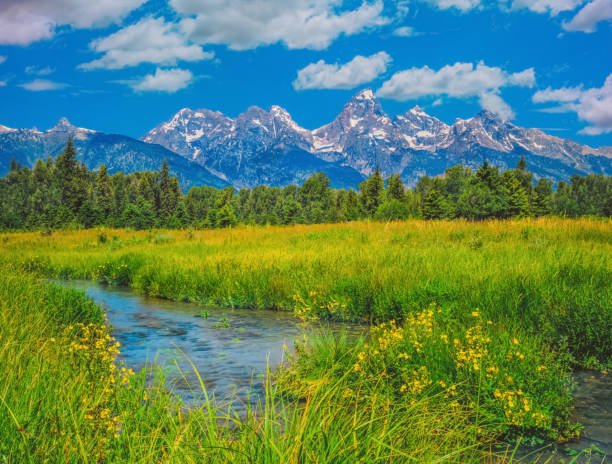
(232, 349)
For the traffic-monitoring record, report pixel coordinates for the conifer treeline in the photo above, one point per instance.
(63, 193)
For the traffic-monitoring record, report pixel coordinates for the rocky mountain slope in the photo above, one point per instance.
(117, 152)
(269, 147)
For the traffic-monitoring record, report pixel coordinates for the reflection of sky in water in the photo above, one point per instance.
(235, 359)
(227, 359)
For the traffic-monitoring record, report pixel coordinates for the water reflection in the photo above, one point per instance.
(231, 349)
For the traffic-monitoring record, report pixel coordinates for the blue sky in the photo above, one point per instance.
(124, 66)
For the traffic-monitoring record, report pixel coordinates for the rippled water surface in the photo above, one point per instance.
(229, 359)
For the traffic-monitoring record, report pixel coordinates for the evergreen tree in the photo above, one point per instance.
(371, 192)
(518, 201)
(104, 192)
(395, 188)
(352, 207)
(476, 202)
(541, 198)
(169, 192)
(68, 175)
(434, 204)
(226, 216)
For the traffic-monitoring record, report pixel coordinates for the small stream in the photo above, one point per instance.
(232, 348)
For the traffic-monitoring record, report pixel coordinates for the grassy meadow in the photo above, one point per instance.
(475, 328)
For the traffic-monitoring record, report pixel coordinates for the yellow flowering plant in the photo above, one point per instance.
(509, 384)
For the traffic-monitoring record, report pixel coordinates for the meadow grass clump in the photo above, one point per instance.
(507, 385)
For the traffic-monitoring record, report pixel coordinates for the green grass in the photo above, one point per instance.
(516, 304)
(548, 276)
(61, 401)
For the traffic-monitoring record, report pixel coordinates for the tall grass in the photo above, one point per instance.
(64, 398)
(548, 276)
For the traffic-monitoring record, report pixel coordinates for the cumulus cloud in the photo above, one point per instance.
(462, 5)
(405, 31)
(25, 21)
(553, 7)
(2, 83)
(2, 58)
(593, 106)
(524, 78)
(247, 24)
(164, 80)
(587, 18)
(359, 70)
(151, 40)
(460, 80)
(39, 71)
(41, 85)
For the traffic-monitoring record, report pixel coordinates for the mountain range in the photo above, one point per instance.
(116, 152)
(269, 147)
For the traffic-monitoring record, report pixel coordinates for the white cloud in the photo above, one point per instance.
(25, 21)
(460, 80)
(495, 104)
(151, 40)
(2, 83)
(164, 80)
(562, 95)
(2, 58)
(40, 85)
(591, 105)
(587, 18)
(553, 7)
(247, 24)
(405, 31)
(34, 69)
(359, 70)
(524, 78)
(463, 5)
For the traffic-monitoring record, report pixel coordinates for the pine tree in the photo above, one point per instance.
(226, 216)
(518, 200)
(104, 192)
(371, 192)
(434, 204)
(541, 198)
(69, 179)
(395, 188)
(169, 192)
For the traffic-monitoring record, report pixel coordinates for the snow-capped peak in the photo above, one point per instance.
(361, 137)
(63, 125)
(365, 94)
(4, 129)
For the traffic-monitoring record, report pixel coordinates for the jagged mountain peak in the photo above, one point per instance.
(4, 129)
(364, 102)
(63, 125)
(362, 137)
(254, 110)
(365, 94)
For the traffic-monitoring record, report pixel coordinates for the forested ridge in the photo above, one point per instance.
(63, 193)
